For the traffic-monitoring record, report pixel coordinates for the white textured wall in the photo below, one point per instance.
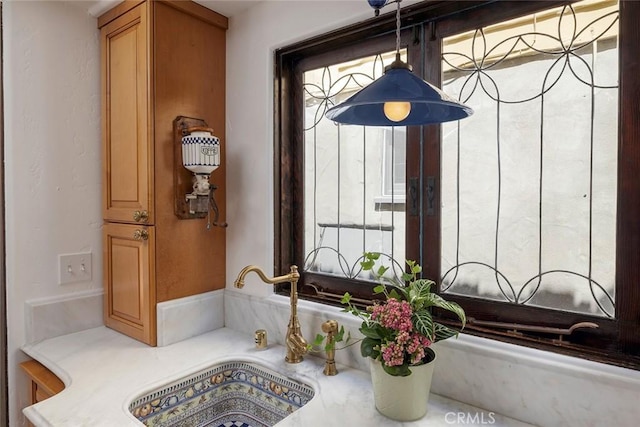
(252, 39)
(52, 149)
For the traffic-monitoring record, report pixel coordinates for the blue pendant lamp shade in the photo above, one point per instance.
(377, 5)
(399, 97)
(428, 104)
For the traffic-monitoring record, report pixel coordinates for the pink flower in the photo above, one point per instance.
(403, 337)
(393, 354)
(416, 346)
(394, 314)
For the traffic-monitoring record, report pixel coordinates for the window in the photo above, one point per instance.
(542, 150)
(524, 212)
(393, 167)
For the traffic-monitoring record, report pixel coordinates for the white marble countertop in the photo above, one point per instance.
(104, 370)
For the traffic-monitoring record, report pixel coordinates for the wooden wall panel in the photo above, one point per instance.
(189, 259)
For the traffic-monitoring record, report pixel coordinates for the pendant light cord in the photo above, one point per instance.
(398, 29)
(398, 63)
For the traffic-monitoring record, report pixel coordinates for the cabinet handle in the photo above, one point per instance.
(141, 216)
(141, 235)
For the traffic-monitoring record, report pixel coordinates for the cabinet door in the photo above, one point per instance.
(127, 154)
(129, 283)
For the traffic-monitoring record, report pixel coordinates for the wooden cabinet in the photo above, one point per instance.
(160, 60)
(129, 291)
(42, 382)
(125, 105)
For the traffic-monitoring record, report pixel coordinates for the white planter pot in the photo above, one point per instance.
(402, 398)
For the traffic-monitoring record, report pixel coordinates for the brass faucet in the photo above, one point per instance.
(296, 344)
(330, 327)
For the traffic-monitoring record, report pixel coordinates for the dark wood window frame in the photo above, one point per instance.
(616, 341)
(4, 377)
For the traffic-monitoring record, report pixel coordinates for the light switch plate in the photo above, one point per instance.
(74, 268)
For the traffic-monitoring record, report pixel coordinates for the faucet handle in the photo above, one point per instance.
(330, 327)
(296, 347)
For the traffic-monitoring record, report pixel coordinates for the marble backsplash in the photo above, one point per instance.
(61, 315)
(531, 385)
(177, 320)
(188, 317)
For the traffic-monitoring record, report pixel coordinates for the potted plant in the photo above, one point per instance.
(398, 333)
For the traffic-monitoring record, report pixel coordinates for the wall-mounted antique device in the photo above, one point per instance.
(200, 154)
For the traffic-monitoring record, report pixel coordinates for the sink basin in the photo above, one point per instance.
(228, 394)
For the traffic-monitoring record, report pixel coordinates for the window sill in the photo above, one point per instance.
(389, 203)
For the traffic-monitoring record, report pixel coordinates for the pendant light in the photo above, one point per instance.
(399, 97)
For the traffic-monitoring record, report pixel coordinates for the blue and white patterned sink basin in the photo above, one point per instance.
(231, 394)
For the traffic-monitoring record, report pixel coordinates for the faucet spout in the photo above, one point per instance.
(239, 282)
(295, 342)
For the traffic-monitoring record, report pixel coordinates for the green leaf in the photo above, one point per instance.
(367, 265)
(402, 295)
(369, 260)
(397, 371)
(374, 256)
(382, 270)
(423, 287)
(369, 348)
(348, 338)
(412, 294)
(346, 298)
(339, 337)
(436, 300)
(423, 323)
(407, 277)
(371, 331)
(329, 346)
(443, 332)
(318, 341)
(379, 289)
